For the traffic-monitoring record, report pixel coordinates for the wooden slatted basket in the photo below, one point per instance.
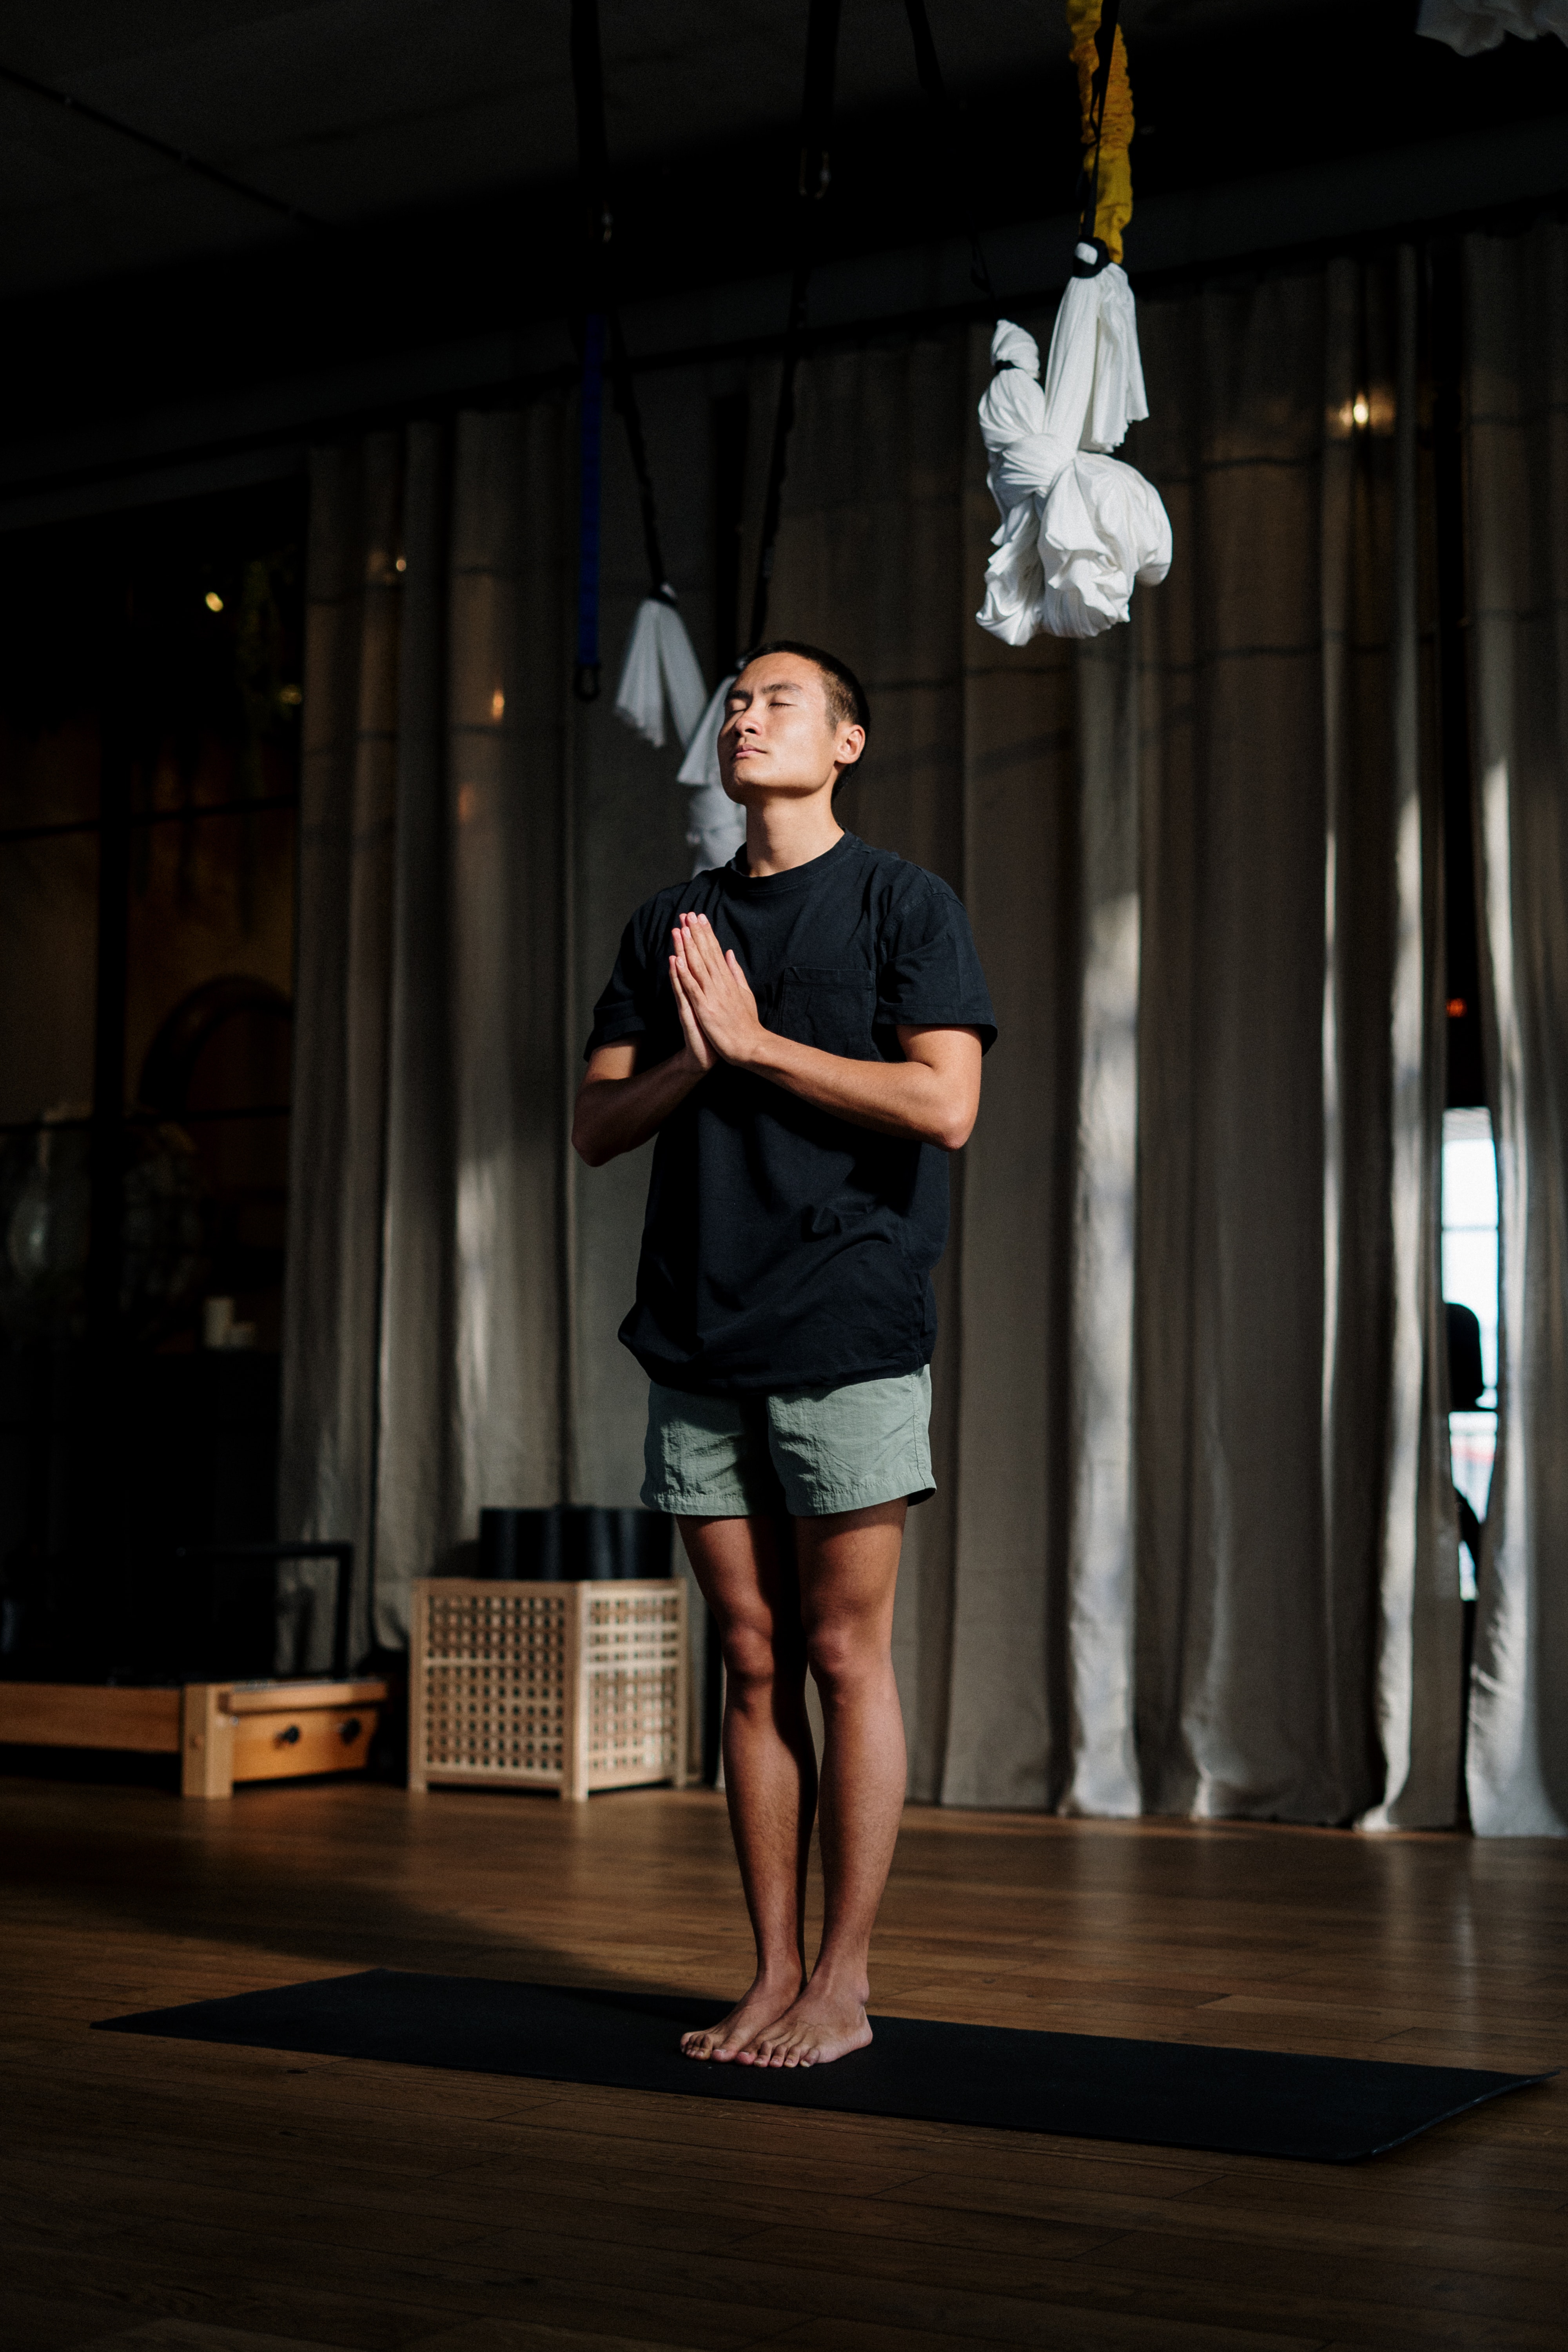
(568, 1686)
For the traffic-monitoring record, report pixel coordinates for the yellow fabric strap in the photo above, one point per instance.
(1114, 208)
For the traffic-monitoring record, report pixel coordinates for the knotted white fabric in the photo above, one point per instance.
(659, 661)
(1078, 528)
(715, 824)
(1471, 26)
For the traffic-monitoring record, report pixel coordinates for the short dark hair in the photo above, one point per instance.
(847, 703)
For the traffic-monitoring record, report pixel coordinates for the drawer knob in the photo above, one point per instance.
(290, 1738)
(350, 1731)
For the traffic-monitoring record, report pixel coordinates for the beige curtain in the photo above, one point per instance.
(471, 842)
(424, 1314)
(1517, 314)
(1191, 1551)
(1299, 1646)
(1194, 1551)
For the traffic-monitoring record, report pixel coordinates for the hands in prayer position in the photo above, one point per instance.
(931, 1096)
(718, 1012)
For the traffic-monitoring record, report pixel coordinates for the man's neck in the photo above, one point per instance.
(786, 832)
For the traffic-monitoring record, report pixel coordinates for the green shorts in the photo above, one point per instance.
(803, 1452)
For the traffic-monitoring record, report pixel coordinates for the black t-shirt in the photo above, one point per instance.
(783, 1247)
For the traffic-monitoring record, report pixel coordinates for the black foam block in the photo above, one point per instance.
(1089, 2086)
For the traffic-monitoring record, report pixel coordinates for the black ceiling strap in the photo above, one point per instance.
(1105, 47)
(815, 131)
(816, 106)
(625, 389)
(590, 428)
(603, 344)
(951, 123)
(593, 181)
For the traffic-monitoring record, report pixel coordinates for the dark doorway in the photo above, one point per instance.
(150, 702)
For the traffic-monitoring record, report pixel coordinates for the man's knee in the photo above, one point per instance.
(756, 1654)
(844, 1655)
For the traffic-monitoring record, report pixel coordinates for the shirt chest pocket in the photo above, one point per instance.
(829, 1006)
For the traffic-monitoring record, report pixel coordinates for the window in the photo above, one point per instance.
(1470, 1279)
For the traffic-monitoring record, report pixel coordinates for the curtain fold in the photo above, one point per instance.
(1517, 413)
(1100, 1567)
(338, 1128)
(1416, 1626)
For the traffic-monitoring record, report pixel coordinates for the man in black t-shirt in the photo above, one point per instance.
(803, 1031)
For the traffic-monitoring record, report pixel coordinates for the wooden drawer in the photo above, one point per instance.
(279, 1743)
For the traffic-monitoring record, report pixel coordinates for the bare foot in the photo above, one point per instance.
(824, 2023)
(767, 2000)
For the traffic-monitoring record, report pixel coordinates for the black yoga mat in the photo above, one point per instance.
(1090, 2086)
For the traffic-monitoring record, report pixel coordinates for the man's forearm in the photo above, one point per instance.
(615, 1115)
(892, 1097)
(931, 1094)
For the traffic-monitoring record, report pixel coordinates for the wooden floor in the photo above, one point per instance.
(168, 2195)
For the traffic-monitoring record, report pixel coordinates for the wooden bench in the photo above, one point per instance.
(221, 1732)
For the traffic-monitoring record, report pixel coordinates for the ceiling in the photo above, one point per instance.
(432, 142)
(353, 110)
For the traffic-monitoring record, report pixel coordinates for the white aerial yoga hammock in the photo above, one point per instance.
(715, 824)
(1078, 528)
(1472, 26)
(660, 664)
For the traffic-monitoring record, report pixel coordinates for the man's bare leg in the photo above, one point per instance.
(770, 1762)
(847, 1566)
